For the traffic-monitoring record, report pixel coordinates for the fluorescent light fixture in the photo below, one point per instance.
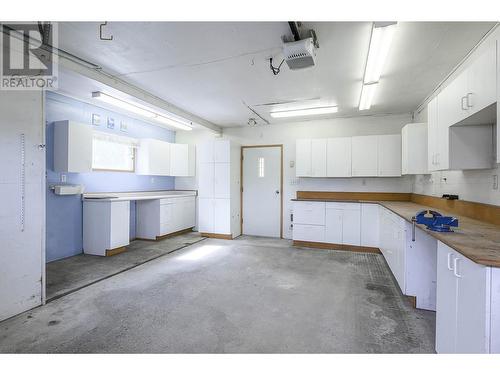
(305, 112)
(367, 93)
(380, 44)
(133, 108)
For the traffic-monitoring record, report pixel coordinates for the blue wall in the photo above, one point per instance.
(64, 213)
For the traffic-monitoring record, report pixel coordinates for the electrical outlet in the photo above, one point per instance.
(363, 182)
(63, 178)
(495, 182)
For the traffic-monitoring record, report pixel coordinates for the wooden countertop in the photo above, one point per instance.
(477, 240)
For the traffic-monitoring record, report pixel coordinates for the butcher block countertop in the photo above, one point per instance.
(477, 240)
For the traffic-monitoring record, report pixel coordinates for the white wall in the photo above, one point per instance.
(22, 249)
(475, 186)
(287, 134)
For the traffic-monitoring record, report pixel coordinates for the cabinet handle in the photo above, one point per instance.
(449, 262)
(455, 267)
(469, 100)
(464, 103)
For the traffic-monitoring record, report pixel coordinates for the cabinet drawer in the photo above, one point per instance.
(312, 213)
(311, 233)
(343, 206)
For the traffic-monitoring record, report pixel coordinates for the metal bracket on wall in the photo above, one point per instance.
(101, 34)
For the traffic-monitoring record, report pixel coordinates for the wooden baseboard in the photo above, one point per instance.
(117, 250)
(182, 231)
(333, 246)
(413, 301)
(158, 238)
(217, 235)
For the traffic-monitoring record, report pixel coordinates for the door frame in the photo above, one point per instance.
(281, 184)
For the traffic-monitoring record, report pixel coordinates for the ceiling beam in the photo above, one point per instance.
(118, 84)
(95, 72)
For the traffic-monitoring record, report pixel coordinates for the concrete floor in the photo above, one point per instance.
(67, 275)
(250, 295)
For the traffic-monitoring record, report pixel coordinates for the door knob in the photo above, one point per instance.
(277, 191)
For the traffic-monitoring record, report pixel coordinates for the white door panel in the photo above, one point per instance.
(333, 225)
(339, 157)
(222, 183)
(351, 227)
(206, 180)
(303, 158)
(222, 216)
(318, 157)
(365, 156)
(22, 237)
(262, 191)
(206, 215)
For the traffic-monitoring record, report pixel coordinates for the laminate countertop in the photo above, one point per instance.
(137, 196)
(477, 240)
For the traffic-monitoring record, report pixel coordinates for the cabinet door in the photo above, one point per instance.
(222, 151)
(446, 297)
(309, 233)
(482, 86)
(333, 226)
(473, 306)
(452, 106)
(365, 156)
(206, 180)
(179, 159)
(370, 225)
(432, 123)
(206, 215)
(351, 227)
(338, 160)
(79, 144)
(205, 152)
(498, 101)
(404, 151)
(389, 155)
(312, 213)
(318, 157)
(303, 158)
(222, 180)
(222, 216)
(119, 226)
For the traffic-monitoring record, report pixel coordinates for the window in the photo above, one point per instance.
(261, 167)
(113, 153)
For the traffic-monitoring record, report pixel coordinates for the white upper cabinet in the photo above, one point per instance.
(432, 134)
(72, 147)
(482, 90)
(338, 160)
(389, 155)
(414, 149)
(179, 159)
(318, 157)
(205, 152)
(222, 151)
(153, 157)
(365, 156)
(303, 158)
(461, 118)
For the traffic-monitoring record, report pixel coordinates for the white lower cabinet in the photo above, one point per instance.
(159, 217)
(106, 226)
(309, 233)
(214, 215)
(334, 225)
(463, 304)
(369, 225)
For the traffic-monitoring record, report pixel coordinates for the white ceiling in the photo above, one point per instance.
(214, 70)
